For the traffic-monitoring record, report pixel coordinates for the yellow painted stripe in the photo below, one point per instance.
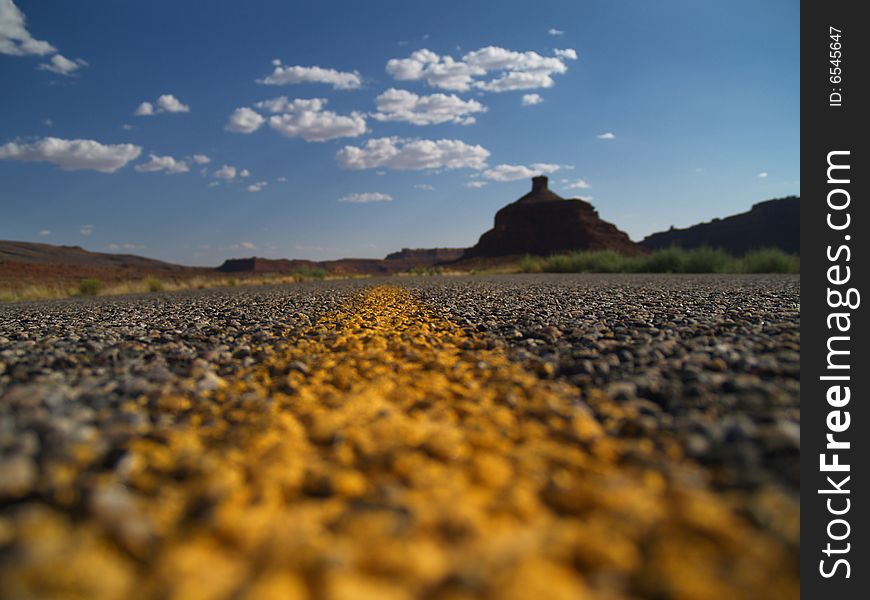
(386, 454)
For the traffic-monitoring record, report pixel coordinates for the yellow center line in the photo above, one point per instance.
(385, 453)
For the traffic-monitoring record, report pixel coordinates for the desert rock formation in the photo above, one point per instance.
(544, 223)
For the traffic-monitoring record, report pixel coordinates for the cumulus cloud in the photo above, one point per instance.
(505, 172)
(400, 154)
(170, 103)
(201, 159)
(73, 155)
(226, 172)
(303, 118)
(579, 184)
(15, 40)
(340, 80)
(402, 105)
(244, 173)
(306, 119)
(762, 175)
(246, 246)
(86, 230)
(366, 197)
(475, 184)
(163, 163)
(244, 120)
(512, 70)
(62, 65)
(146, 109)
(532, 99)
(44, 232)
(606, 136)
(256, 187)
(165, 103)
(424, 186)
(441, 72)
(126, 246)
(555, 32)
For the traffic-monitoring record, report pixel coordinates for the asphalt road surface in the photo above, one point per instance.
(530, 436)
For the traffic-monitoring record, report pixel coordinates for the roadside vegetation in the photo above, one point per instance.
(93, 286)
(670, 260)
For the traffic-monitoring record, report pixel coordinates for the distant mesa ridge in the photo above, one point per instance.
(426, 255)
(539, 223)
(405, 259)
(770, 224)
(544, 223)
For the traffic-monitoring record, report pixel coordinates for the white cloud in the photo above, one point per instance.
(44, 232)
(126, 246)
(762, 175)
(201, 159)
(73, 155)
(226, 172)
(256, 187)
(86, 230)
(531, 99)
(146, 109)
(281, 179)
(402, 105)
(505, 172)
(476, 184)
(580, 184)
(424, 186)
(366, 197)
(283, 104)
(48, 122)
(244, 173)
(62, 65)
(170, 103)
(165, 103)
(555, 32)
(163, 163)
(247, 246)
(606, 136)
(126, 127)
(441, 72)
(399, 154)
(213, 183)
(245, 120)
(513, 70)
(306, 119)
(517, 80)
(340, 80)
(15, 40)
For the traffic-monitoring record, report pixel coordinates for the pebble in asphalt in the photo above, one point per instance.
(711, 362)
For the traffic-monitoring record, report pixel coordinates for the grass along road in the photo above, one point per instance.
(384, 452)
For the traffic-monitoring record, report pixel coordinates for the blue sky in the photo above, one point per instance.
(336, 129)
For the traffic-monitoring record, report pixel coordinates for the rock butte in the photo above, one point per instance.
(543, 223)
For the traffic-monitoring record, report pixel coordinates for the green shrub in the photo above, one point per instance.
(531, 264)
(770, 260)
(306, 273)
(90, 286)
(232, 282)
(154, 284)
(706, 260)
(668, 260)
